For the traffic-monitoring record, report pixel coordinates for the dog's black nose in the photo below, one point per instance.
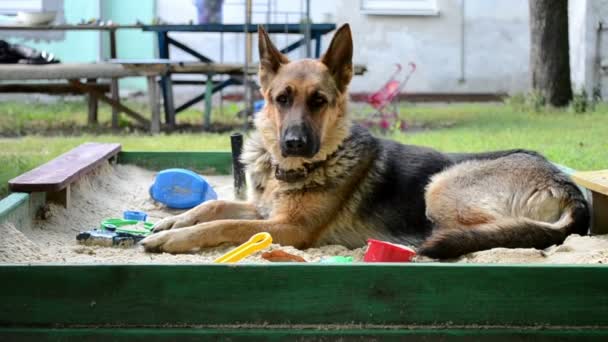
(297, 143)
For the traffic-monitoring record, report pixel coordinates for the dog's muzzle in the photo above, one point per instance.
(299, 141)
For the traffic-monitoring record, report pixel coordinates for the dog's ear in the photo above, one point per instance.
(339, 57)
(270, 58)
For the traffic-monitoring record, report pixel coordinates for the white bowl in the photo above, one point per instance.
(36, 18)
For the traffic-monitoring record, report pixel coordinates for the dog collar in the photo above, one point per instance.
(300, 174)
(292, 176)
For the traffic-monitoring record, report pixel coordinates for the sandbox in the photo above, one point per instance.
(54, 288)
(111, 189)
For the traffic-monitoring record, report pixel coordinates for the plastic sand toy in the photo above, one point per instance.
(108, 238)
(338, 259)
(118, 232)
(96, 237)
(278, 255)
(134, 215)
(181, 189)
(134, 227)
(382, 251)
(256, 243)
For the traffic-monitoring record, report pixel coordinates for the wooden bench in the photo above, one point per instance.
(55, 177)
(597, 183)
(74, 73)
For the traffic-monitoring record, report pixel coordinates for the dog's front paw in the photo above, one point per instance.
(171, 241)
(177, 221)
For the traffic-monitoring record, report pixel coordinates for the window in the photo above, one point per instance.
(399, 7)
(14, 6)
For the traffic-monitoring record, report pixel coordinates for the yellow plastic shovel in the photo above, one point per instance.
(257, 242)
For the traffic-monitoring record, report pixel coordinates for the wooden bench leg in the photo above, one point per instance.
(102, 97)
(167, 89)
(154, 105)
(600, 214)
(92, 104)
(166, 86)
(116, 97)
(60, 197)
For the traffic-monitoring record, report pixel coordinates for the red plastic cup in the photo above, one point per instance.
(382, 251)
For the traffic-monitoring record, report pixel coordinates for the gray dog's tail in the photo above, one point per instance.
(509, 232)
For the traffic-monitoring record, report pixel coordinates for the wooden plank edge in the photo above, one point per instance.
(387, 295)
(116, 148)
(265, 333)
(12, 202)
(219, 162)
(48, 88)
(55, 187)
(581, 179)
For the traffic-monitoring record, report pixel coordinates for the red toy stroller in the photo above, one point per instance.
(383, 98)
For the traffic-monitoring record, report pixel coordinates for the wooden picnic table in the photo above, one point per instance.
(164, 41)
(110, 29)
(165, 67)
(75, 72)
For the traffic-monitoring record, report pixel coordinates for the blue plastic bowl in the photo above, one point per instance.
(181, 189)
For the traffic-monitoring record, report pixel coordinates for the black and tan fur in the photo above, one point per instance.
(314, 178)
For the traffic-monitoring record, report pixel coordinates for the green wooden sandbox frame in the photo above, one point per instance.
(293, 301)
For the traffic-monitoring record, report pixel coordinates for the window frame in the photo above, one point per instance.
(371, 7)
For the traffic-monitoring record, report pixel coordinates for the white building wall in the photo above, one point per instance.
(475, 46)
(587, 45)
(470, 46)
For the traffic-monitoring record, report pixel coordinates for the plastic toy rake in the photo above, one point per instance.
(257, 242)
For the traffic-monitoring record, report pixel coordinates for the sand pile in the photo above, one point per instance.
(575, 250)
(14, 246)
(110, 190)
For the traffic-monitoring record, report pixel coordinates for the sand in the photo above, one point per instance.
(110, 190)
(106, 193)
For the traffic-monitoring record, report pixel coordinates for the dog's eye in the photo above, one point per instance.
(317, 101)
(281, 99)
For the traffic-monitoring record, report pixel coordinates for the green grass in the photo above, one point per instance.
(22, 118)
(576, 140)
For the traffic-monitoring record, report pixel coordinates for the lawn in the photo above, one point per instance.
(576, 140)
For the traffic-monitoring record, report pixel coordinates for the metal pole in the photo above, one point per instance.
(222, 78)
(462, 78)
(114, 81)
(307, 30)
(238, 170)
(208, 103)
(248, 44)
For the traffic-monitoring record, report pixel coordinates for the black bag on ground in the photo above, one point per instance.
(15, 53)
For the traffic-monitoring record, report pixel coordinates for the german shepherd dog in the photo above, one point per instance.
(315, 178)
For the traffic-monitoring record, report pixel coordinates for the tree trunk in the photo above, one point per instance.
(549, 50)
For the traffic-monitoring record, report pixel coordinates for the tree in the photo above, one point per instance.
(549, 50)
